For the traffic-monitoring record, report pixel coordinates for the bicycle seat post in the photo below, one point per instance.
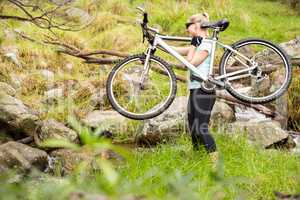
(215, 35)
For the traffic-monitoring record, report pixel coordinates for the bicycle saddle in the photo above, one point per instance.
(221, 25)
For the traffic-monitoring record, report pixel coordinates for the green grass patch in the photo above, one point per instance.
(175, 171)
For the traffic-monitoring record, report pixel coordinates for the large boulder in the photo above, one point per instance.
(171, 123)
(66, 160)
(14, 113)
(106, 120)
(244, 113)
(222, 113)
(15, 155)
(262, 133)
(51, 129)
(292, 47)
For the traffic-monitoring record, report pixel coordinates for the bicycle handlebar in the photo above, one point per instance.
(145, 27)
(141, 9)
(145, 15)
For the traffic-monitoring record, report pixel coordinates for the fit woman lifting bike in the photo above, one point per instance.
(143, 86)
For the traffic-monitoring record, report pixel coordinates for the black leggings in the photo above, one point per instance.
(200, 104)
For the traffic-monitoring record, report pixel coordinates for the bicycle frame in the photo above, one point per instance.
(159, 41)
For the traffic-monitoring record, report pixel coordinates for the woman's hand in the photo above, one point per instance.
(196, 41)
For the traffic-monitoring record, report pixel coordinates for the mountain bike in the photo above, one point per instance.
(143, 86)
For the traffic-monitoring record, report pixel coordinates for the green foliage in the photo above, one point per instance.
(168, 171)
(114, 28)
(171, 171)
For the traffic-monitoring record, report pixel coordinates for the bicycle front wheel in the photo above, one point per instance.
(267, 81)
(138, 98)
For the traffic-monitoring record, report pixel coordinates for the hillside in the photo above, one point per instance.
(45, 78)
(115, 28)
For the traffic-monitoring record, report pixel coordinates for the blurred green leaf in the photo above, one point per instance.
(56, 143)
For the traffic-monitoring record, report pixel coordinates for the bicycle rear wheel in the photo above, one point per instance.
(138, 99)
(268, 81)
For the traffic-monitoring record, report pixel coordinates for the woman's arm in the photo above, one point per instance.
(198, 57)
(193, 56)
(182, 50)
(191, 53)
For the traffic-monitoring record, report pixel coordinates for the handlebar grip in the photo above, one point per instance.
(141, 9)
(145, 20)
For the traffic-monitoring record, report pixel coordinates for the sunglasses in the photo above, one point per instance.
(190, 23)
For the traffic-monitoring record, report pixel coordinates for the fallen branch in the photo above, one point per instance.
(105, 52)
(260, 108)
(295, 61)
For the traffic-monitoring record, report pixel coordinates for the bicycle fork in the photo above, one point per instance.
(150, 51)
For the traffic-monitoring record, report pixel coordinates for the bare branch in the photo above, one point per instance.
(106, 52)
(4, 17)
(44, 19)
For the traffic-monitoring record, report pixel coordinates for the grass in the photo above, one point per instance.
(167, 171)
(114, 28)
(175, 171)
(246, 171)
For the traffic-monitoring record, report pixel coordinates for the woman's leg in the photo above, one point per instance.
(200, 105)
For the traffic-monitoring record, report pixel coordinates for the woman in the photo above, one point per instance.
(200, 102)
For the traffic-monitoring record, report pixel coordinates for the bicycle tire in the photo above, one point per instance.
(130, 115)
(276, 94)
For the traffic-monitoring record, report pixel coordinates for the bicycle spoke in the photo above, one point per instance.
(142, 98)
(264, 78)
